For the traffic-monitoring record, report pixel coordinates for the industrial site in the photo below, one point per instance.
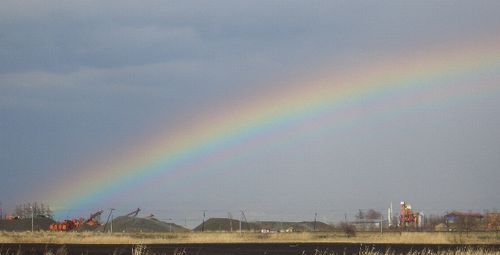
(399, 231)
(32, 217)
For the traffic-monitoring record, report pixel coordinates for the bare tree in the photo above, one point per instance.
(434, 221)
(360, 215)
(349, 229)
(373, 215)
(26, 210)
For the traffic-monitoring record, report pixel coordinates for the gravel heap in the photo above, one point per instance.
(136, 224)
(225, 224)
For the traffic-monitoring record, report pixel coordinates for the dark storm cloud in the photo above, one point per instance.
(58, 36)
(77, 78)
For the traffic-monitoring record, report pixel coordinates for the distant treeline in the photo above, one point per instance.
(26, 210)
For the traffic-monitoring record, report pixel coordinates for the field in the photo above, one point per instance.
(214, 237)
(213, 243)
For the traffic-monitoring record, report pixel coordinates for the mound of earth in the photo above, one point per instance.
(225, 224)
(39, 223)
(304, 226)
(135, 224)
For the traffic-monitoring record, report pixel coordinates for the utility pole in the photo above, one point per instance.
(111, 225)
(240, 227)
(169, 224)
(32, 213)
(315, 217)
(203, 224)
(107, 220)
(381, 224)
(243, 217)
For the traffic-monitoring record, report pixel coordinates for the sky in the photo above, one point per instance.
(90, 89)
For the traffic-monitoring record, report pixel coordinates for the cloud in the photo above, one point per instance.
(60, 36)
(80, 78)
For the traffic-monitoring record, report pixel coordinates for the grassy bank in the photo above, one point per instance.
(155, 238)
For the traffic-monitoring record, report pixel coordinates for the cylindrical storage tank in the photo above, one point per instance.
(420, 220)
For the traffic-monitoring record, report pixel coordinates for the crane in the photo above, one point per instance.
(93, 219)
(68, 225)
(133, 213)
(107, 220)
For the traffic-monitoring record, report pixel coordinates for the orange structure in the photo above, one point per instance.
(92, 221)
(407, 218)
(68, 225)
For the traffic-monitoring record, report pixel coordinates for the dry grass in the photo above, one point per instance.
(154, 238)
(426, 252)
(143, 250)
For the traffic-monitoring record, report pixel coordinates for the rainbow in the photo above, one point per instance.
(238, 129)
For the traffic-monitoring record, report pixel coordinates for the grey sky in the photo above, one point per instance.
(81, 79)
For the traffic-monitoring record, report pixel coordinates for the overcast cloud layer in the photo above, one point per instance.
(81, 79)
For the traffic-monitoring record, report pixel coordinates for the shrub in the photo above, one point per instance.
(348, 229)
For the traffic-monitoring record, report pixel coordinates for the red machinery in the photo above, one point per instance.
(68, 225)
(407, 218)
(93, 221)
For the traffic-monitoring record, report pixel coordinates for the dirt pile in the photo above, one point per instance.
(25, 224)
(135, 224)
(304, 226)
(227, 225)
